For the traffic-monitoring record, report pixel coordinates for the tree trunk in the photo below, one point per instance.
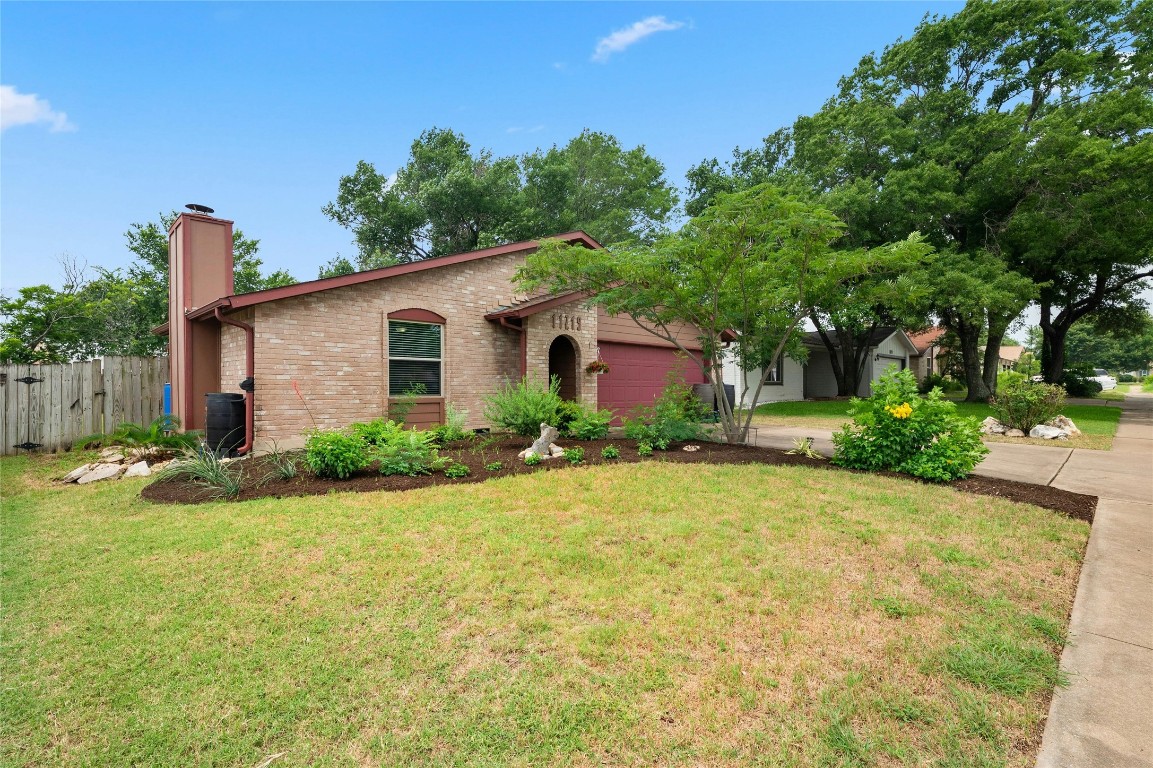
(991, 365)
(1052, 344)
(834, 353)
(969, 338)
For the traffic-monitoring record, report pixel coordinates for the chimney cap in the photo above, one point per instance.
(197, 208)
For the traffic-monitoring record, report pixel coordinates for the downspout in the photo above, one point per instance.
(250, 372)
(523, 344)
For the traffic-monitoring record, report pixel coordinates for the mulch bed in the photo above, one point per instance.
(261, 482)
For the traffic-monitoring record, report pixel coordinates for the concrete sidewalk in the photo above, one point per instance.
(1104, 717)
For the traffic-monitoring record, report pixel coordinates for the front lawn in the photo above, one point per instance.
(1097, 422)
(641, 614)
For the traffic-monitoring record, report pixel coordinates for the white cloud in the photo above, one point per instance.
(623, 38)
(29, 109)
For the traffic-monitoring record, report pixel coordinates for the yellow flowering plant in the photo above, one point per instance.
(898, 429)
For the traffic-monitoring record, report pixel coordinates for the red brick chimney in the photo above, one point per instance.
(199, 273)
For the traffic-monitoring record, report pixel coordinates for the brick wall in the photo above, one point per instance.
(579, 325)
(232, 351)
(333, 344)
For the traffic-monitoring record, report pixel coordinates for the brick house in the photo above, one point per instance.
(334, 351)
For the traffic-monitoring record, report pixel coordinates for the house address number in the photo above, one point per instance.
(566, 322)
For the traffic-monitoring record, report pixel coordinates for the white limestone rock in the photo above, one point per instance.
(555, 451)
(1046, 432)
(542, 445)
(1014, 433)
(1065, 424)
(100, 472)
(139, 469)
(990, 426)
(77, 473)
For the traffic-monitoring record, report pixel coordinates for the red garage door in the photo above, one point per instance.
(637, 374)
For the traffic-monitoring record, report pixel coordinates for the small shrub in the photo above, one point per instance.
(455, 470)
(159, 434)
(494, 466)
(532, 459)
(930, 382)
(589, 424)
(412, 454)
(897, 429)
(1126, 378)
(610, 452)
(644, 449)
(524, 406)
(674, 416)
(1078, 384)
(334, 453)
(567, 412)
(1022, 404)
(204, 468)
(453, 427)
(575, 455)
(377, 432)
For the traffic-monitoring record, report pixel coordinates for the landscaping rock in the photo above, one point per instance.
(110, 451)
(77, 473)
(112, 458)
(139, 469)
(541, 447)
(100, 472)
(1065, 424)
(990, 426)
(555, 450)
(1014, 433)
(1047, 433)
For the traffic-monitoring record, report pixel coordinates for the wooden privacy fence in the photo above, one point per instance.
(48, 407)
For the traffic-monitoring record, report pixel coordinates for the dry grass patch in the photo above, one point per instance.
(655, 614)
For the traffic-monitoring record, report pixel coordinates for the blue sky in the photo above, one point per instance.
(114, 112)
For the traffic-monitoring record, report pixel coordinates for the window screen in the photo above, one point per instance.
(414, 360)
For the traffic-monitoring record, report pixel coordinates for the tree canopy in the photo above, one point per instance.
(753, 263)
(111, 312)
(1018, 130)
(448, 198)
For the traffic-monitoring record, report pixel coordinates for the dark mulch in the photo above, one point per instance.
(261, 482)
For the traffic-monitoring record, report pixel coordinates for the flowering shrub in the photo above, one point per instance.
(898, 429)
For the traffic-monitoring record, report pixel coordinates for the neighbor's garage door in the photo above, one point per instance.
(637, 374)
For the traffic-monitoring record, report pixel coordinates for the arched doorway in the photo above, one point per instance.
(562, 363)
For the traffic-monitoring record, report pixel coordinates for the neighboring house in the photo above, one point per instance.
(930, 358)
(791, 380)
(1009, 357)
(330, 352)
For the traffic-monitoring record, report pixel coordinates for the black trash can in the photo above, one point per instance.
(224, 422)
(731, 395)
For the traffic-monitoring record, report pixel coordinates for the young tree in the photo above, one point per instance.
(751, 264)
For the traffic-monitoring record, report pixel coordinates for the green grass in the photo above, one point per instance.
(1113, 395)
(641, 614)
(1098, 423)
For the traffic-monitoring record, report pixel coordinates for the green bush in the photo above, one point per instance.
(204, 468)
(412, 453)
(589, 424)
(335, 454)
(1021, 404)
(675, 416)
(930, 382)
(161, 434)
(377, 432)
(610, 452)
(456, 470)
(532, 459)
(897, 429)
(1126, 378)
(644, 449)
(494, 466)
(566, 413)
(575, 455)
(1078, 384)
(453, 427)
(524, 406)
